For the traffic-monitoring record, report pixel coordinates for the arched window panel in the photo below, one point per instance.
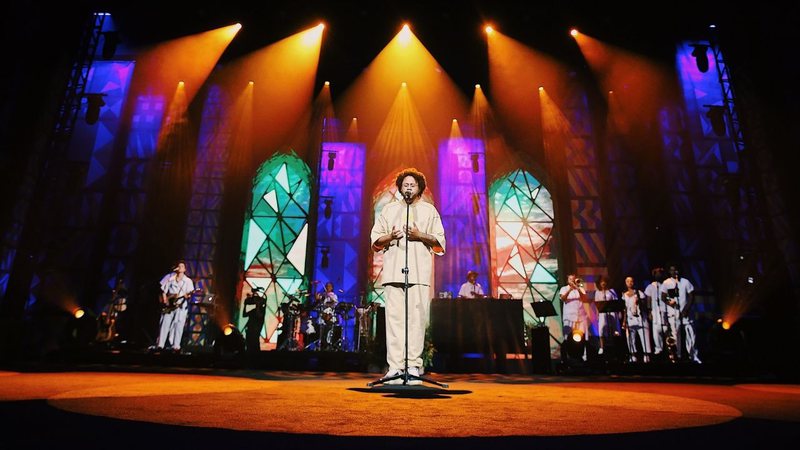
(275, 238)
(525, 265)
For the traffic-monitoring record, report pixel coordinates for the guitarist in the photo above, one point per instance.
(176, 288)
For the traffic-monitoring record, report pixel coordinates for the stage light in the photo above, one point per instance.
(700, 54)
(574, 345)
(181, 83)
(328, 211)
(325, 250)
(237, 26)
(405, 35)
(110, 41)
(477, 86)
(403, 84)
(455, 120)
(716, 114)
(228, 329)
(94, 103)
(327, 83)
(610, 92)
(78, 313)
(573, 32)
(489, 30)
(251, 83)
(726, 325)
(230, 343)
(331, 160)
(541, 88)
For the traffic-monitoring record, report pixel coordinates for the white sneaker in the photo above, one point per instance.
(413, 371)
(696, 360)
(394, 372)
(600, 351)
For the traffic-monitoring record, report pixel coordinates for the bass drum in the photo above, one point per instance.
(327, 316)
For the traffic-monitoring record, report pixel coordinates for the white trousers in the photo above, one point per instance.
(419, 304)
(676, 322)
(172, 324)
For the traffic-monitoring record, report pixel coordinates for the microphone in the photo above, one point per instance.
(407, 195)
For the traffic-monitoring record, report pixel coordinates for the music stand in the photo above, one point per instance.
(610, 306)
(543, 309)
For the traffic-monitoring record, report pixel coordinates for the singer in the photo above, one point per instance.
(176, 287)
(425, 239)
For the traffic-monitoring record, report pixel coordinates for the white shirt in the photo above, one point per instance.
(470, 290)
(572, 308)
(170, 285)
(634, 309)
(684, 288)
(420, 256)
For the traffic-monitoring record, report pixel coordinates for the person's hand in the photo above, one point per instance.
(396, 234)
(414, 234)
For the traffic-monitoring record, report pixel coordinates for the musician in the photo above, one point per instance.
(574, 314)
(255, 309)
(636, 320)
(425, 239)
(108, 323)
(176, 287)
(471, 288)
(327, 301)
(328, 297)
(608, 323)
(657, 310)
(678, 295)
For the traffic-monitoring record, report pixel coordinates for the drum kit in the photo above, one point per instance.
(325, 324)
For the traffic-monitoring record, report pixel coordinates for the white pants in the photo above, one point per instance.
(675, 323)
(419, 304)
(172, 324)
(638, 328)
(658, 329)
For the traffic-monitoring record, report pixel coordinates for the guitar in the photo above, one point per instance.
(174, 301)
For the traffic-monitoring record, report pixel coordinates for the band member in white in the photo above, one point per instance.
(471, 288)
(608, 323)
(678, 295)
(636, 321)
(574, 315)
(176, 287)
(425, 239)
(657, 310)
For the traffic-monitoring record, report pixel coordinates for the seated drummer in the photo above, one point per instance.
(329, 298)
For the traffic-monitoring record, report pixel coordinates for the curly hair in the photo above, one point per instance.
(413, 172)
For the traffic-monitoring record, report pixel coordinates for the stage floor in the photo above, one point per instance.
(94, 408)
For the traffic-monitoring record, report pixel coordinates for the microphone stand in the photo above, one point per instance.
(404, 374)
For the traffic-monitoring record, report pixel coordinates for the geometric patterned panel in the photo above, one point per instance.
(341, 187)
(128, 209)
(525, 264)
(275, 238)
(339, 243)
(462, 183)
(202, 226)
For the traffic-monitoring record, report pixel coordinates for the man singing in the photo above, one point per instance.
(425, 238)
